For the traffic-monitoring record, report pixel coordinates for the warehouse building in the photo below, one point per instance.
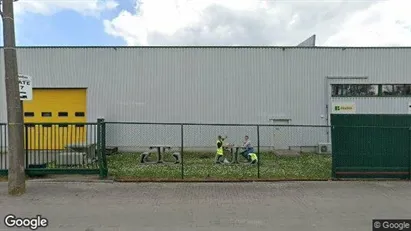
(299, 85)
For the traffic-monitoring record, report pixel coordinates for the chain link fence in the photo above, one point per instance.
(133, 140)
(134, 137)
(283, 152)
(200, 144)
(295, 152)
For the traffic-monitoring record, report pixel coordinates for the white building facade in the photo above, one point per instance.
(233, 85)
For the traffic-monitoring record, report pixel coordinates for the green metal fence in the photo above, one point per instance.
(371, 146)
(363, 146)
(59, 148)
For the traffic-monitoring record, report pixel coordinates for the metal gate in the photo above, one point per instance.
(371, 146)
(87, 157)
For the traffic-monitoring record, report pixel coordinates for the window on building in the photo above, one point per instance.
(63, 114)
(354, 90)
(79, 125)
(350, 90)
(369, 90)
(79, 114)
(46, 114)
(396, 90)
(387, 89)
(63, 125)
(407, 90)
(46, 125)
(29, 114)
(366, 90)
(336, 90)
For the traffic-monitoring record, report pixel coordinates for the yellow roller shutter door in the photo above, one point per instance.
(56, 106)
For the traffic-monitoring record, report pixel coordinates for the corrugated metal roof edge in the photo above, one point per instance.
(202, 47)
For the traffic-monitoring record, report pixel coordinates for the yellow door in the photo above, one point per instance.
(55, 106)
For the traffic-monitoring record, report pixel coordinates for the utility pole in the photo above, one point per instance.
(16, 175)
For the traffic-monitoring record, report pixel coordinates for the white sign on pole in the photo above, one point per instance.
(343, 108)
(26, 87)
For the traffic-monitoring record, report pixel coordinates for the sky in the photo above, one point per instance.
(212, 22)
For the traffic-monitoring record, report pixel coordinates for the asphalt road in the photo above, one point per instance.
(320, 206)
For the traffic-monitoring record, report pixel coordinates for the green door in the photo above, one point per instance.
(371, 146)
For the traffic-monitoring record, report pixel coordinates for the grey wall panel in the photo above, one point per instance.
(139, 137)
(211, 85)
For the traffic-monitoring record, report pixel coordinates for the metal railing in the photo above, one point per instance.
(58, 148)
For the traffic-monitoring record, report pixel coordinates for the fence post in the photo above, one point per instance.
(101, 149)
(409, 153)
(26, 138)
(182, 151)
(333, 154)
(258, 151)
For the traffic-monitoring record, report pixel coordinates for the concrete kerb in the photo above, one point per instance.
(70, 181)
(137, 180)
(210, 180)
(119, 180)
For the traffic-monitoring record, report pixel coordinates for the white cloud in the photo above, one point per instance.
(263, 22)
(384, 23)
(49, 7)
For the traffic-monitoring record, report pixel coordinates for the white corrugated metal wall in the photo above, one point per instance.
(211, 85)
